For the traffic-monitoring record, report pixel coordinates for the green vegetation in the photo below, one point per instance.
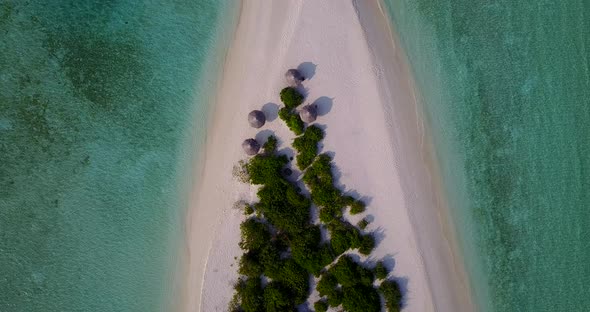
(381, 271)
(357, 207)
(282, 244)
(292, 120)
(270, 146)
(363, 224)
(351, 285)
(309, 253)
(320, 306)
(307, 146)
(249, 293)
(361, 298)
(277, 298)
(349, 273)
(344, 237)
(367, 244)
(392, 294)
(291, 98)
(248, 210)
(318, 177)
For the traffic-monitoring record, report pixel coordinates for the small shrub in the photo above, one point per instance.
(263, 169)
(349, 273)
(248, 210)
(293, 121)
(327, 216)
(392, 294)
(309, 253)
(318, 177)
(347, 200)
(367, 244)
(361, 298)
(234, 304)
(320, 306)
(381, 271)
(270, 258)
(250, 265)
(270, 146)
(335, 299)
(250, 294)
(276, 298)
(357, 207)
(307, 146)
(363, 224)
(295, 279)
(255, 234)
(327, 285)
(291, 97)
(283, 207)
(343, 237)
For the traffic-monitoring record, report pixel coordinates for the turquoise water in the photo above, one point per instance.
(506, 89)
(101, 106)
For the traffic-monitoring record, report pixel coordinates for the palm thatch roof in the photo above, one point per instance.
(256, 119)
(251, 146)
(294, 77)
(309, 113)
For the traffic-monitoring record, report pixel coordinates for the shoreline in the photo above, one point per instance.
(251, 77)
(452, 280)
(199, 160)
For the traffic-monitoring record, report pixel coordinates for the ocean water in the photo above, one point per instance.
(505, 87)
(103, 105)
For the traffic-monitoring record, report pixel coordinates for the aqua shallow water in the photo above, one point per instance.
(505, 87)
(100, 114)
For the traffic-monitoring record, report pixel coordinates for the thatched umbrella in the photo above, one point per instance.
(251, 147)
(256, 118)
(294, 77)
(309, 113)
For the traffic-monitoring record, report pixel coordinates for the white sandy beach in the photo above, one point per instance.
(363, 87)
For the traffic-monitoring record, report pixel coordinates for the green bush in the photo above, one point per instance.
(363, 224)
(318, 177)
(343, 237)
(295, 279)
(307, 146)
(284, 207)
(327, 285)
(347, 200)
(255, 234)
(250, 265)
(361, 298)
(308, 252)
(270, 146)
(250, 294)
(293, 121)
(320, 306)
(349, 273)
(264, 169)
(335, 299)
(392, 294)
(367, 244)
(248, 210)
(291, 97)
(276, 298)
(327, 215)
(357, 207)
(381, 271)
(270, 258)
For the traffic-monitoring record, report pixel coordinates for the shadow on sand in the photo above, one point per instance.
(307, 69)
